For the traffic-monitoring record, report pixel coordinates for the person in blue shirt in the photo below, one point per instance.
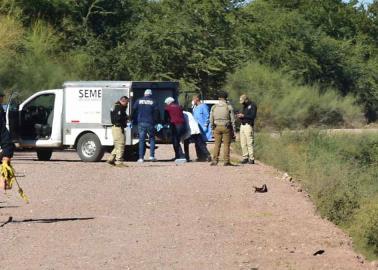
(147, 115)
(201, 113)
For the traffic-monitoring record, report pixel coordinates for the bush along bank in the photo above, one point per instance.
(339, 171)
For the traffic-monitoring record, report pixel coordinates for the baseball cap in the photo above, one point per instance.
(148, 92)
(169, 100)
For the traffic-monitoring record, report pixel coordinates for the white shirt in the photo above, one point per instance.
(192, 125)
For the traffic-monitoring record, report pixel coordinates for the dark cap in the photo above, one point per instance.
(123, 97)
(222, 94)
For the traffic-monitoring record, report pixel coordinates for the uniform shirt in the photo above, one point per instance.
(222, 114)
(119, 115)
(146, 111)
(249, 111)
(174, 114)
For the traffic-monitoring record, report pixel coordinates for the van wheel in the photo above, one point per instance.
(89, 148)
(44, 154)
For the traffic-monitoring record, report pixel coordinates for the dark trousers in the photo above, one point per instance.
(200, 145)
(178, 131)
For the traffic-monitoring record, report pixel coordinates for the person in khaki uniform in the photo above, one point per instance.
(222, 121)
(247, 120)
(119, 120)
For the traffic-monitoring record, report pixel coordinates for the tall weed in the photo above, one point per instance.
(36, 61)
(283, 103)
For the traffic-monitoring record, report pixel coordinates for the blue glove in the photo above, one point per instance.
(158, 127)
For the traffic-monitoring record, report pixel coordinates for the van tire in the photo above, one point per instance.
(44, 154)
(89, 148)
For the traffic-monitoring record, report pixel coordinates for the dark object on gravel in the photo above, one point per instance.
(262, 189)
(319, 252)
(10, 219)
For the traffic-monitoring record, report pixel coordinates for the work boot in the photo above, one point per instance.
(111, 160)
(228, 164)
(120, 164)
(208, 159)
(214, 163)
(252, 161)
(244, 161)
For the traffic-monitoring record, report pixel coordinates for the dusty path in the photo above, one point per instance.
(162, 216)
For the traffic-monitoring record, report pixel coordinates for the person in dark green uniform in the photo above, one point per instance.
(119, 121)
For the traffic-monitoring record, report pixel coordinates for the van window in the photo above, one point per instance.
(37, 117)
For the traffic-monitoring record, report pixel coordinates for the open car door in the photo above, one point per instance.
(13, 116)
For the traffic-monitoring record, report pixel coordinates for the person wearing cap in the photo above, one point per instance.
(147, 116)
(118, 118)
(174, 116)
(247, 119)
(222, 121)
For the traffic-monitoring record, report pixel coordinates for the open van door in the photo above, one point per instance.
(36, 123)
(12, 116)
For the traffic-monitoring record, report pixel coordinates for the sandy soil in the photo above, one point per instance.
(163, 216)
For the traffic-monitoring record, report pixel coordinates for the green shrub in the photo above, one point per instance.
(364, 228)
(34, 60)
(283, 103)
(339, 203)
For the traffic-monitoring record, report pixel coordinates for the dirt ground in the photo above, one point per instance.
(163, 216)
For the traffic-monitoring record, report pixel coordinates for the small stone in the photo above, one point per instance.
(360, 259)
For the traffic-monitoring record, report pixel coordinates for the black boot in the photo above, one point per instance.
(244, 161)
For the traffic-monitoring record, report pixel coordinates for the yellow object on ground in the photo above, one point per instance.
(9, 177)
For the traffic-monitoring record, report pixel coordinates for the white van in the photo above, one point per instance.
(78, 116)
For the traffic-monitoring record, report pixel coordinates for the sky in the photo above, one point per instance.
(362, 1)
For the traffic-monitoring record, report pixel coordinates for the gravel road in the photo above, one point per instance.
(163, 216)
